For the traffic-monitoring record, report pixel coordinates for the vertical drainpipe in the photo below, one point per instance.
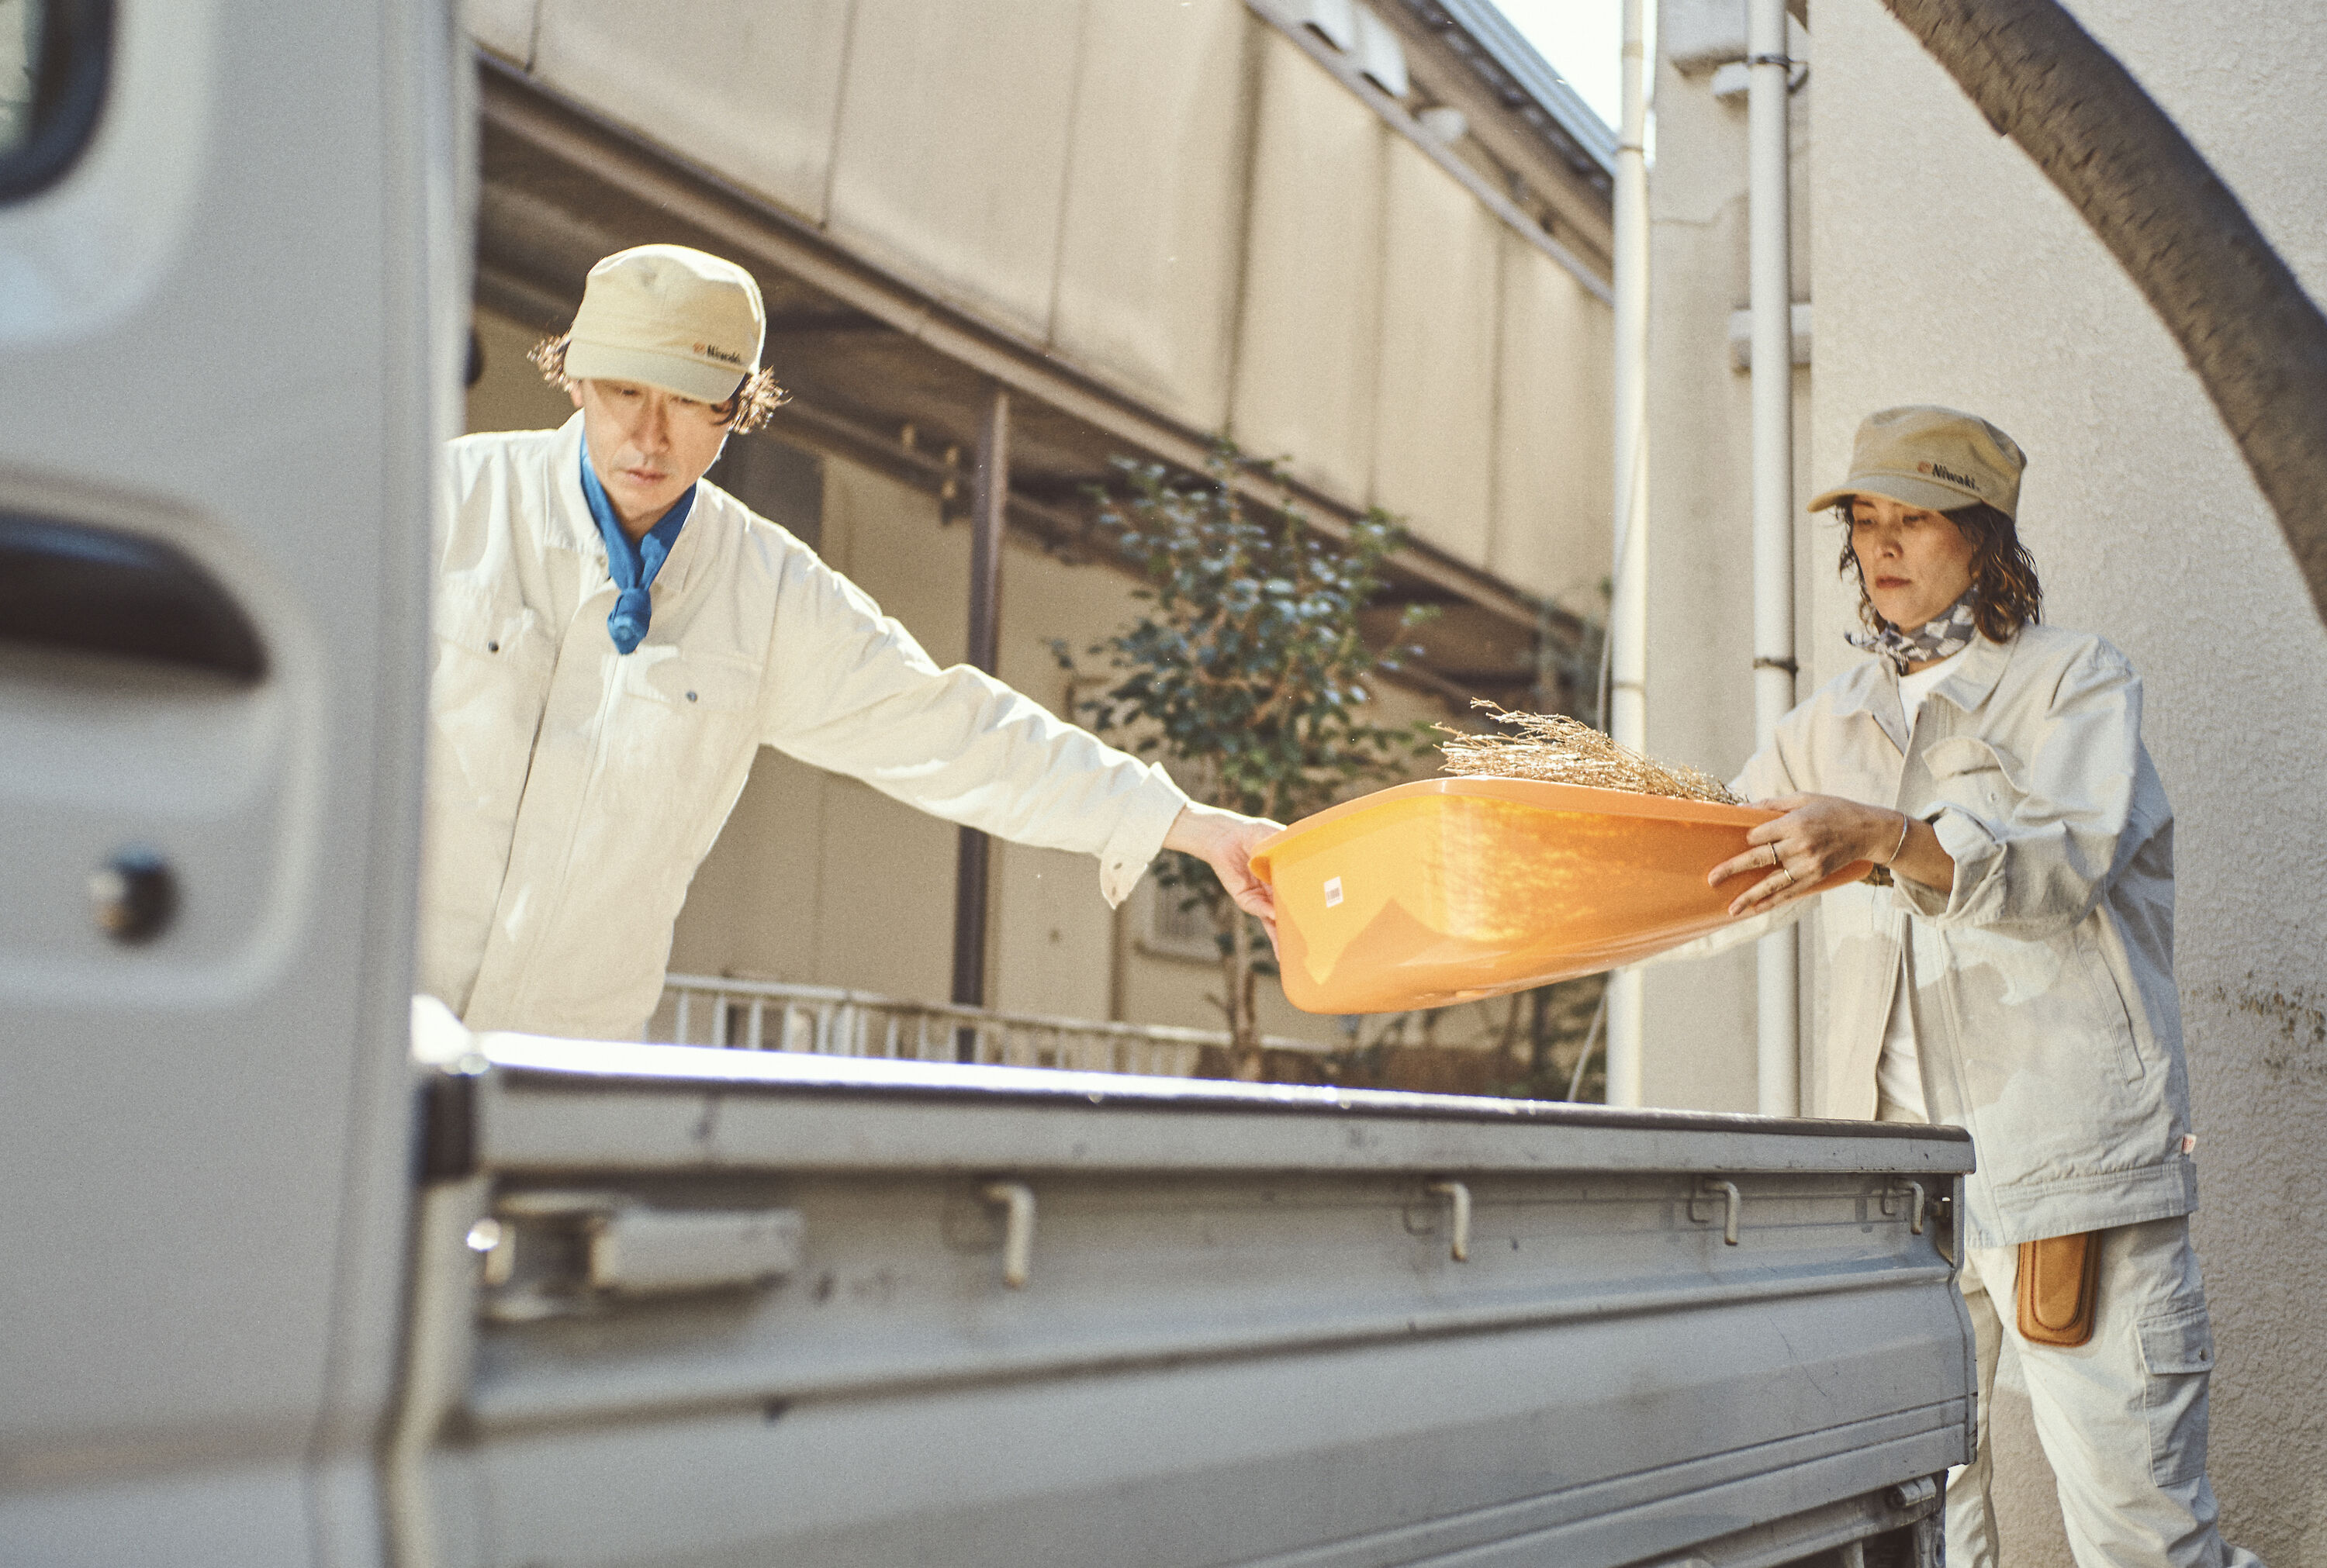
(989, 498)
(1778, 1011)
(1628, 631)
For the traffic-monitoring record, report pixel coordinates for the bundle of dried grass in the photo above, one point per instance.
(1558, 749)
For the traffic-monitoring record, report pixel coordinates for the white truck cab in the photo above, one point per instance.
(278, 1287)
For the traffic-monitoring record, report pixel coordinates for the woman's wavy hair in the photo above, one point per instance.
(2006, 595)
(754, 401)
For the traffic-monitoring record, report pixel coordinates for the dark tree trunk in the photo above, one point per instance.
(2255, 340)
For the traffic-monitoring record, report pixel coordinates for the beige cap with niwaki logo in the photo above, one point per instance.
(1934, 459)
(680, 319)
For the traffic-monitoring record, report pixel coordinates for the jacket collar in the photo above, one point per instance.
(1873, 688)
(570, 526)
(1968, 686)
(686, 550)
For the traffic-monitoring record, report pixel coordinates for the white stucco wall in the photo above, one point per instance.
(1946, 270)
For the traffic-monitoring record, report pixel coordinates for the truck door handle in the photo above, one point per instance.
(597, 1246)
(652, 1252)
(83, 589)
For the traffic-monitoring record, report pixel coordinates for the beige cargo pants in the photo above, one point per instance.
(2122, 1417)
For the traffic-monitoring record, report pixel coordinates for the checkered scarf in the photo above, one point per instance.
(1948, 632)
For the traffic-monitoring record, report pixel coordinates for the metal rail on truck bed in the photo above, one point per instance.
(707, 1307)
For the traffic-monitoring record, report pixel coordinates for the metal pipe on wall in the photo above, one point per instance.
(1778, 1006)
(989, 501)
(1627, 714)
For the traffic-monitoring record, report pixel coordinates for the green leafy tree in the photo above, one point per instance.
(1247, 671)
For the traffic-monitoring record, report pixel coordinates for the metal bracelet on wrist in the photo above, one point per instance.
(1906, 825)
(1879, 877)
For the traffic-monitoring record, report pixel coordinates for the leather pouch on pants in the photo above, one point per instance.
(2059, 1278)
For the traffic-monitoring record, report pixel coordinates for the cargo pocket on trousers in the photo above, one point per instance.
(2177, 1353)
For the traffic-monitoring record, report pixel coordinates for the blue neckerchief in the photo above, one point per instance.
(631, 566)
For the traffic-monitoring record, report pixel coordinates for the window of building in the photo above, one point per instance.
(1168, 925)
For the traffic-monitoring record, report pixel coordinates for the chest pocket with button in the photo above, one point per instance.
(1972, 773)
(679, 722)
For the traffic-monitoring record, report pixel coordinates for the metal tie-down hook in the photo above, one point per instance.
(1915, 1190)
(1018, 1228)
(1458, 1203)
(1712, 1187)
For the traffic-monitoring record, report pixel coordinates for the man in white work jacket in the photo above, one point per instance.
(615, 640)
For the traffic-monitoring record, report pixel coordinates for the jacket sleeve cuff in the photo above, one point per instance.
(1978, 859)
(1138, 838)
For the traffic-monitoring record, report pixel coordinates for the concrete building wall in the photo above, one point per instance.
(1152, 243)
(1171, 195)
(950, 157)
(1433, 423)
(1308, 342)
(753, 91)
(1552, 487)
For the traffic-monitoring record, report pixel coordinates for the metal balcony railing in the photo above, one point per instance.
(826, 1021)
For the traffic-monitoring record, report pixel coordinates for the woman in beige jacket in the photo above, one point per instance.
(2013, 973)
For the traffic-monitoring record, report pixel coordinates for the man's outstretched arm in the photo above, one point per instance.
(963, 746)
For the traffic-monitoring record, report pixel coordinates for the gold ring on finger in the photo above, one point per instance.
(1789, 875)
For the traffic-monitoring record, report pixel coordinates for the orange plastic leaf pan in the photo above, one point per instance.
(1453, 889)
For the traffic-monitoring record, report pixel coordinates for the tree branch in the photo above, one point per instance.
(2257, 340)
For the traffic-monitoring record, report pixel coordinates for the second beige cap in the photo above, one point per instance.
(672, 317)
(1934, 459)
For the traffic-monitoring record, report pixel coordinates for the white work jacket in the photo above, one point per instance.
(2046, 1020)
(572, 789)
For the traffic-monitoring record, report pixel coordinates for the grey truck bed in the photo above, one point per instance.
(694, 1306)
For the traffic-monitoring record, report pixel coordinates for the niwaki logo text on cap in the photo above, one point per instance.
(1940, 471)
(722, 355)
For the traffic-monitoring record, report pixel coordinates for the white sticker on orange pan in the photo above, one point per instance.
(1332, 891)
